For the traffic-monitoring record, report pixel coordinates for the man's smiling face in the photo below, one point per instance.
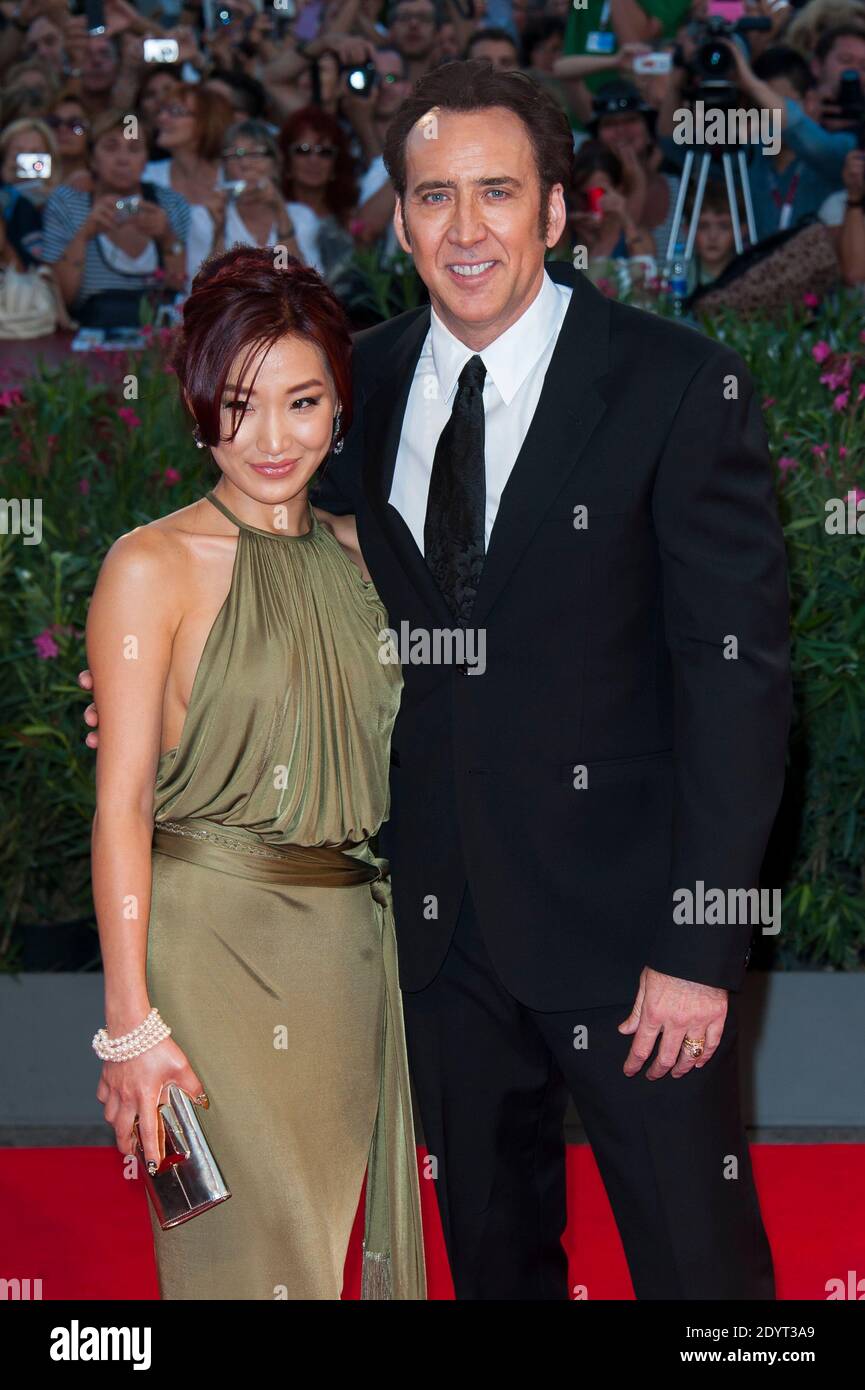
(472, 211)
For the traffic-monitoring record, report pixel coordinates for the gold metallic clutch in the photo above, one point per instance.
(187, 1181)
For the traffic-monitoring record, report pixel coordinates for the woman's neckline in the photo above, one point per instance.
(258, 530)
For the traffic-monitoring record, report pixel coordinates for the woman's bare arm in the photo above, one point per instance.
(131, 624)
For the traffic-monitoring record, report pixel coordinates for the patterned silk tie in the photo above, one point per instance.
(453, 533)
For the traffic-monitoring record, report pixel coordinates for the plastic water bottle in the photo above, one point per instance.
(678, 279)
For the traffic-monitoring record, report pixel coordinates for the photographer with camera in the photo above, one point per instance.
(786, 185)
(111, 247)
(249, 208)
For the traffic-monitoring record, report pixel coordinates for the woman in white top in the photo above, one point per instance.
(191, 125)
(248, 209)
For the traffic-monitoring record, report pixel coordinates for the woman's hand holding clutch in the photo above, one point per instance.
(133, 1088)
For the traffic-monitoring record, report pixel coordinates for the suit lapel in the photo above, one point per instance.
(568, 411)
(384, 410)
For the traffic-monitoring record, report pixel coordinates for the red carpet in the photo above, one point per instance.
(68, 1217)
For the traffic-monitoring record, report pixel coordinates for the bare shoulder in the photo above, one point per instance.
(142, 575)
(147, 552)
(164, 543)
(344, 528)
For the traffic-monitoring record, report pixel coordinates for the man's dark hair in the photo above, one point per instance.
(830, 37)
(476, 85)
(538, 31)
(492, 32)
(782, 61)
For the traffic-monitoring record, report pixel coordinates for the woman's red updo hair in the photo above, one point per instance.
(241, 301)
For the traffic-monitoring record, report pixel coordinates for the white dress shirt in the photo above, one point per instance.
(516, 364)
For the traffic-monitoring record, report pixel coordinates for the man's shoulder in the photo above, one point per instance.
(372, 344)
(670, 347)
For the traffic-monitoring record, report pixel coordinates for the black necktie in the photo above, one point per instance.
(453, 530)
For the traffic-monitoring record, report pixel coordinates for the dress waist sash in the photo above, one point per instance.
(393, 1255)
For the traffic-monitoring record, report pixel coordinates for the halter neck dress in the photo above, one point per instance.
(271, 949)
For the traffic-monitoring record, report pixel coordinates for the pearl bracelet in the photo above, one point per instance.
(121, 1049)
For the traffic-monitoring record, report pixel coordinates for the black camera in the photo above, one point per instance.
(712, 70)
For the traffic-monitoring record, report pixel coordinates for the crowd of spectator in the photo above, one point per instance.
(124, 163)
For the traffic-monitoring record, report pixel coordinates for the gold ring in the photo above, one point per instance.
(694, 1046)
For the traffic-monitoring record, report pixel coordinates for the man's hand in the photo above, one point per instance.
(85, 680)
(677, 1009)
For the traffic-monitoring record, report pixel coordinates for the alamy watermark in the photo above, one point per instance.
(22, 516)
(435, 646)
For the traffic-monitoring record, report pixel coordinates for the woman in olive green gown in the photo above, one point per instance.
(270, 944)
(287, 990)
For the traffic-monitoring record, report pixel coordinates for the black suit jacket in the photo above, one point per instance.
(650, 646)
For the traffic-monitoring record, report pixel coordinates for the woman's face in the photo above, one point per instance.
(69, 124)
(117, 163)
(175, 123)
(287, 419)
(158, 92)
(27, 141)
(313, 166)
(248, 158)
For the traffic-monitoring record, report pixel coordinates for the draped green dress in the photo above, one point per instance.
(271, 949)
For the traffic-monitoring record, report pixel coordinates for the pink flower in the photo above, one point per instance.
(45, 645)
(819, 450)
(128, 416)
(820, 351)
(840, 402)
(769, 401)
(84, 485)
(858, 496)
(811, 301)
(838, 378)
(10, 398)
(170, 476)
(842, 451)
(785, 462)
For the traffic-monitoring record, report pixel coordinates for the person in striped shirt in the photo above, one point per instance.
(111, 246)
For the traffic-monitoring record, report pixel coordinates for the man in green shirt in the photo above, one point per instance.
(600, 28)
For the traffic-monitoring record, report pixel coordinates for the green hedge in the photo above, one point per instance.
(101, 464)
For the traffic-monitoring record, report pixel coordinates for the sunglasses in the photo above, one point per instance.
(174, 109)
(73, 123)
(253, 152)
(303, 147)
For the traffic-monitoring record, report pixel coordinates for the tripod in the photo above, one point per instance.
(705, 164)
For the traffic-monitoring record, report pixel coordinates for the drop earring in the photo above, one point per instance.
(337, 448)
(196, 435)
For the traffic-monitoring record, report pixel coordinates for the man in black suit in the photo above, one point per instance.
(586, 487)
